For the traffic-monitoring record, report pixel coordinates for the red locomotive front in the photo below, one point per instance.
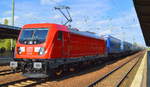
(43, 49)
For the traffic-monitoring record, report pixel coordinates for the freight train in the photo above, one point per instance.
(46, 49)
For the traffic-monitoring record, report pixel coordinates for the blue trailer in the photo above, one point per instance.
(113, 44)
(127, 47)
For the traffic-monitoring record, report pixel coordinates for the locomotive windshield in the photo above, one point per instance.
(33, 36)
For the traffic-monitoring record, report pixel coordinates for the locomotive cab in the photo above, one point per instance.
(33, 36)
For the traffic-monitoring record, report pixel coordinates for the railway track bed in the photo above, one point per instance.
(117, 75)
(10, 78)
(2, 68)
(6, 72)
(27, 82)
(85, 80)
(82, 79)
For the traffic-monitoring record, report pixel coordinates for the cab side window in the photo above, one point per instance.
(60, 35)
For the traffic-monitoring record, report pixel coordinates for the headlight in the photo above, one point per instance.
(41, 51)
(20, 50)
(37, 49)
(13, 64)
(37, 65)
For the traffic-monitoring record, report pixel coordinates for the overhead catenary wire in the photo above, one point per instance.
(118, 7)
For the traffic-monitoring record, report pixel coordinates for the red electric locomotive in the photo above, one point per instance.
(46, 49)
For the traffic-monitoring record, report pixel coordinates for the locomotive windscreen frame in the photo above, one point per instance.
(33, 36)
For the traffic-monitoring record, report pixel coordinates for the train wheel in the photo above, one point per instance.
(72, 69)
(58, 72)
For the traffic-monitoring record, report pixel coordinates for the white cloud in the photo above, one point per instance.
(91, 15)
(103, 22)
(9, 20)
(105, 32)
(49, 2)
(7, 12)
(1, 21)
(57, 16)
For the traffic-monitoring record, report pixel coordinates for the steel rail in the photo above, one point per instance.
(13, 82)
(120, 82)
(5, 70)
(20, 82)
(109, 73)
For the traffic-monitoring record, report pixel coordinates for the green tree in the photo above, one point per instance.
(6, 22)
(8, 44)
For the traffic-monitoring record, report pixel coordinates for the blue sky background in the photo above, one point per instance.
(115, 17)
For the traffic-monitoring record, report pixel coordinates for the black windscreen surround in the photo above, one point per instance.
(33, 36)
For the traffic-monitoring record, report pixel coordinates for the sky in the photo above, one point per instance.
(114, 17)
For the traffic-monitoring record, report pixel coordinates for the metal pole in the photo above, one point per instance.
(13, 11)
(13, 15)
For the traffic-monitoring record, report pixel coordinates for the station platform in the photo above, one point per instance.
(6, 57)
(5, 61)
(140, 79)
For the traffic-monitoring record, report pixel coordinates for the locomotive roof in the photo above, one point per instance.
(44, 25)
(109, 36)
(85, 33)
(72, 30)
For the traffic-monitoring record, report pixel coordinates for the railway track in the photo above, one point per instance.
(124, 77)
(4, 68)
(27, 82)
(99, 82)
(78, 80)
(6, 72)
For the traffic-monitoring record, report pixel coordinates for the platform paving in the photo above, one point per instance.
(141, 76)
(148, 69)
